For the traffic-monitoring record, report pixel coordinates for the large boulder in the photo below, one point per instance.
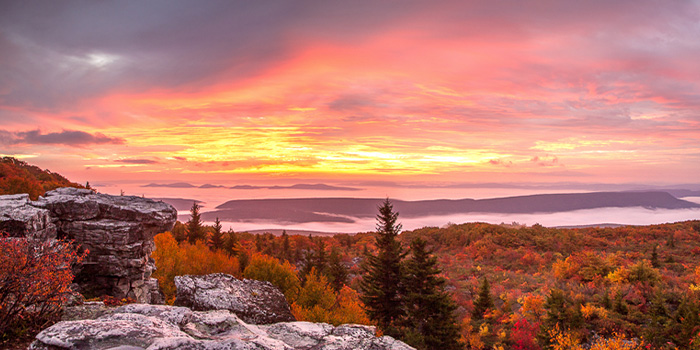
(256, 302)
(117, 231)
(161, 327)
(19, 218)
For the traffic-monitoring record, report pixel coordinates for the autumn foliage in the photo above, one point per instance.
(34, 282)
(609, 287)
(187, 259)
(17, 176)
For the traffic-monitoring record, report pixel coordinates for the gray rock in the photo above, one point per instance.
(118, 231)
(87, 311)
(256, 302)
(21, 219)
(161, 327)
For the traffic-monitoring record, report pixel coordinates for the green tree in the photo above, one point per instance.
(179, 232)
(315, 259)
(381, 283)
(430, 320)
(286, 248)
(337, 273)
(231, 245)
(483, 300)
(216, 240)
(195, 229)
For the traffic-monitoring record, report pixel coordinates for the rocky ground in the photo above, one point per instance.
(223, 302)
(160, 327)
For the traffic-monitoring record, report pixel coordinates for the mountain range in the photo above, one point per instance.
(346, 210)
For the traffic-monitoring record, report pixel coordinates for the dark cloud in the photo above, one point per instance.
(136, 161)
(74, 138)
(55, 53)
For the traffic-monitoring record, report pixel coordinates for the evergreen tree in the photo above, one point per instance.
(619, 304)
(195, 229)
(337, 273)
(216, 240)
(483, 300)
(179, 232)
(258, 243)
(655, 258)
(231, 245)
(286, 249)
(381, 284)
(315, 259)
(555, 304)
(430, 320)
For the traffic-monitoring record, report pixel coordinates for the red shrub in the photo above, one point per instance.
(35, 277)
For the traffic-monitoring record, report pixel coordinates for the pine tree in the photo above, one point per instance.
(231, 245)
(315, 259)
(195, 230)
(216, 240)
(258, 242)
(655, 258)
(179, 232)
(430, 319)
(381, 284)
(286, 249)
(483, 300)
(337, 273)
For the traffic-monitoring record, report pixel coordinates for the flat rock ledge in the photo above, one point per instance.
(255, 302)
(161, 327)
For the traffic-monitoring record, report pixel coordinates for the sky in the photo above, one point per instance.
(354, 93)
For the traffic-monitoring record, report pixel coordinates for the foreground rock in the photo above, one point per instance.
(118, 231)
(161, 327)
(256, 302)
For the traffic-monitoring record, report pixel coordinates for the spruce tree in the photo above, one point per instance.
(195, 230)
(381, 284)
(430, 320)
(286, 249)
(337, 273)
(655, 258)
(216, 240)
(231, 245)
(483, 300)
(315, 259)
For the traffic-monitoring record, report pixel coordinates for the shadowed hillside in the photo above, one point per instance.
(17, 176)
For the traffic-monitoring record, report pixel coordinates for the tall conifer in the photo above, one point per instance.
(216, 240)
(483, 300)
(195, 230)
(337, 273)
(430, 321)
(382, 279)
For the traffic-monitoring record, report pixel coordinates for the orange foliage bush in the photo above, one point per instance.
(34, 281)
(187, 259)
(266, 268)
(317, 302)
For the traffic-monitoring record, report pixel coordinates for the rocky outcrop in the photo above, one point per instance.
(255, 302)
(118, 231)
(19, 218)
(161, 327)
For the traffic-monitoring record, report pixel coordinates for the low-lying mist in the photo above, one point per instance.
(624, 216)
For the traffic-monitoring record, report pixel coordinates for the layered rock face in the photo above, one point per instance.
(256, 302)
(160, 327)
(118, 231)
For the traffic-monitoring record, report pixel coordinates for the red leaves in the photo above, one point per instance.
(34, 279)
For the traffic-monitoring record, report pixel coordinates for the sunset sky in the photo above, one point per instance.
(353, 92)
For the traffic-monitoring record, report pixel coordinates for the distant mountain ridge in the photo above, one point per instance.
(345, 210)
